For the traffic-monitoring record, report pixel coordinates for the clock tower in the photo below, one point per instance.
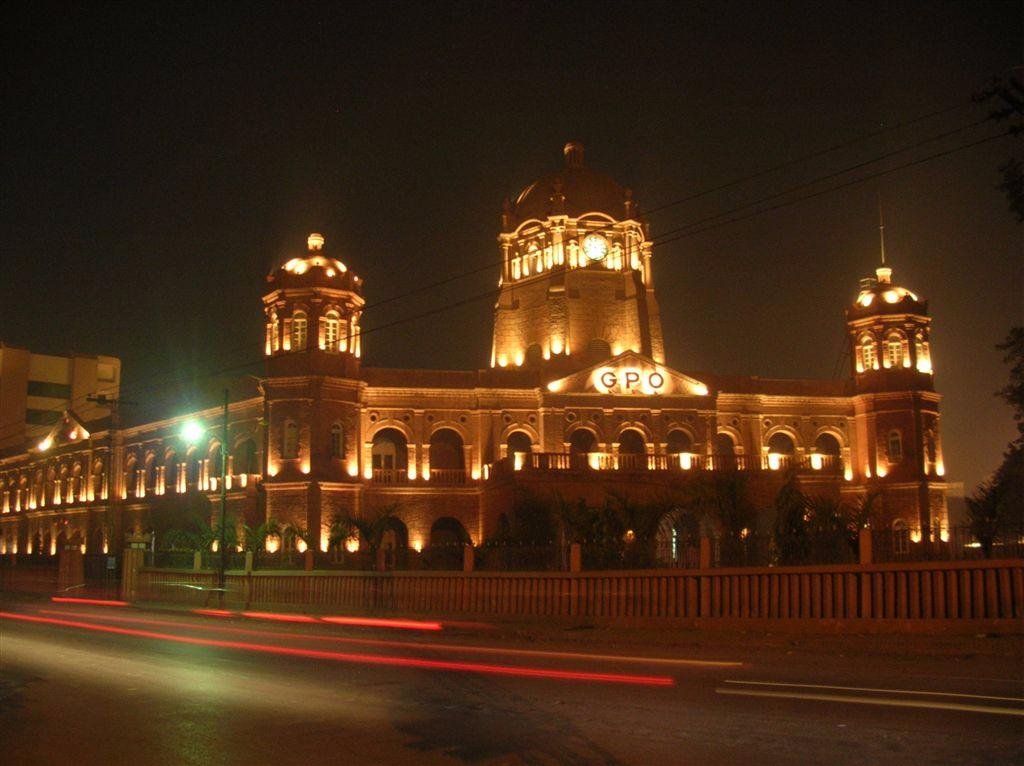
(576, 281)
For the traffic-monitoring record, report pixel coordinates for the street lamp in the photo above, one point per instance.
(191, 432)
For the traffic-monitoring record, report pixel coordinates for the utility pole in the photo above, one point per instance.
(223, 497)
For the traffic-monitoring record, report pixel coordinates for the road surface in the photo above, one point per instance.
(89, 684)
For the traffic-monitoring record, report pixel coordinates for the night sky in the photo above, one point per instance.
(157, 162)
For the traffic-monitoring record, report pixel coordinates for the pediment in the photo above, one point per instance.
(629, 374)
(68, 430)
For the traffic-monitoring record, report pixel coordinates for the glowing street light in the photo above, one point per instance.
(192, 431)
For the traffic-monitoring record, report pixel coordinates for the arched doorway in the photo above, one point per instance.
(780, 451)
(827, 453)
(447, 538)
(447, 457)
(582, 442)
(632, 450)
(395, 543)
(389, 456)
(678, 441)
(519, 441)
(678, 539)
(724, 451)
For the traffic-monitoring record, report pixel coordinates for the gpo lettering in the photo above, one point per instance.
(632, 380)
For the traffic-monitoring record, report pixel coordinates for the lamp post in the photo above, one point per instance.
(191, 432)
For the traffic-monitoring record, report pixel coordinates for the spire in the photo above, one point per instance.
(884, 273)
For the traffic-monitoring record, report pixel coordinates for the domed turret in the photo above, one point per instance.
(888, 327)
(576, 281)
(313, 313)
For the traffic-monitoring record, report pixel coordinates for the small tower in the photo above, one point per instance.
(576, 281)
(898, 449)
(313, 312)
(312, 385)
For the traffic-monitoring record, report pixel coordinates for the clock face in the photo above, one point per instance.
(595, 246)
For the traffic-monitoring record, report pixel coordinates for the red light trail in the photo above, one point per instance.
(368, 659)
(94, 601)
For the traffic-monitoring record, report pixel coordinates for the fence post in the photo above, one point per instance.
(197, 560)
(308, 564)
(248, 562)
(468, 553)
(134, 557)
(864, 546)
(705, 553)
(575, 557)
(70, 570)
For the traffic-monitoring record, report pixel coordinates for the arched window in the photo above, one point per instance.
(599, 347)
(894, 349)
(534, 355)
(631, 442)
(246, 458)
(781, 444)
(724, 445)
(827, 444)
(582, 441)
(678, 441)
(900, 536)
(332, 331)
(446, 450)
(632, 450)
(780, 451)
(868, 357)
(300, 330)
(519, 441)
(290, 443)
(337, 441)
(895, 446)
(274, 332)
(389, 452)
(922, 353)
(447, 531)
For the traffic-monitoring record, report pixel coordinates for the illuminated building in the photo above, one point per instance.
(578, 399)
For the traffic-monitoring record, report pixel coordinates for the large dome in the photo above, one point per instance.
(574, 191)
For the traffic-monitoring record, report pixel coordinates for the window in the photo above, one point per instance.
(895, 447)
(290, 447)
(869, 361)
(300, 329)
(337, 441)
(519, 441)
(894, 350)
(41, 417)
(781, 444)
(678, 441)
(49, 390)
(900, 537)
(922, 354)
(275, 332)
(332, 330)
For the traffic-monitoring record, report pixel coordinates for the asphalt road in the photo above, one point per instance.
(105, 685)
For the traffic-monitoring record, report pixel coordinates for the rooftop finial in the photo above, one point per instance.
(573, 152)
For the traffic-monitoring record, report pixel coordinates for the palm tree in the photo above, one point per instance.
(256, 537)
(371, 527)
